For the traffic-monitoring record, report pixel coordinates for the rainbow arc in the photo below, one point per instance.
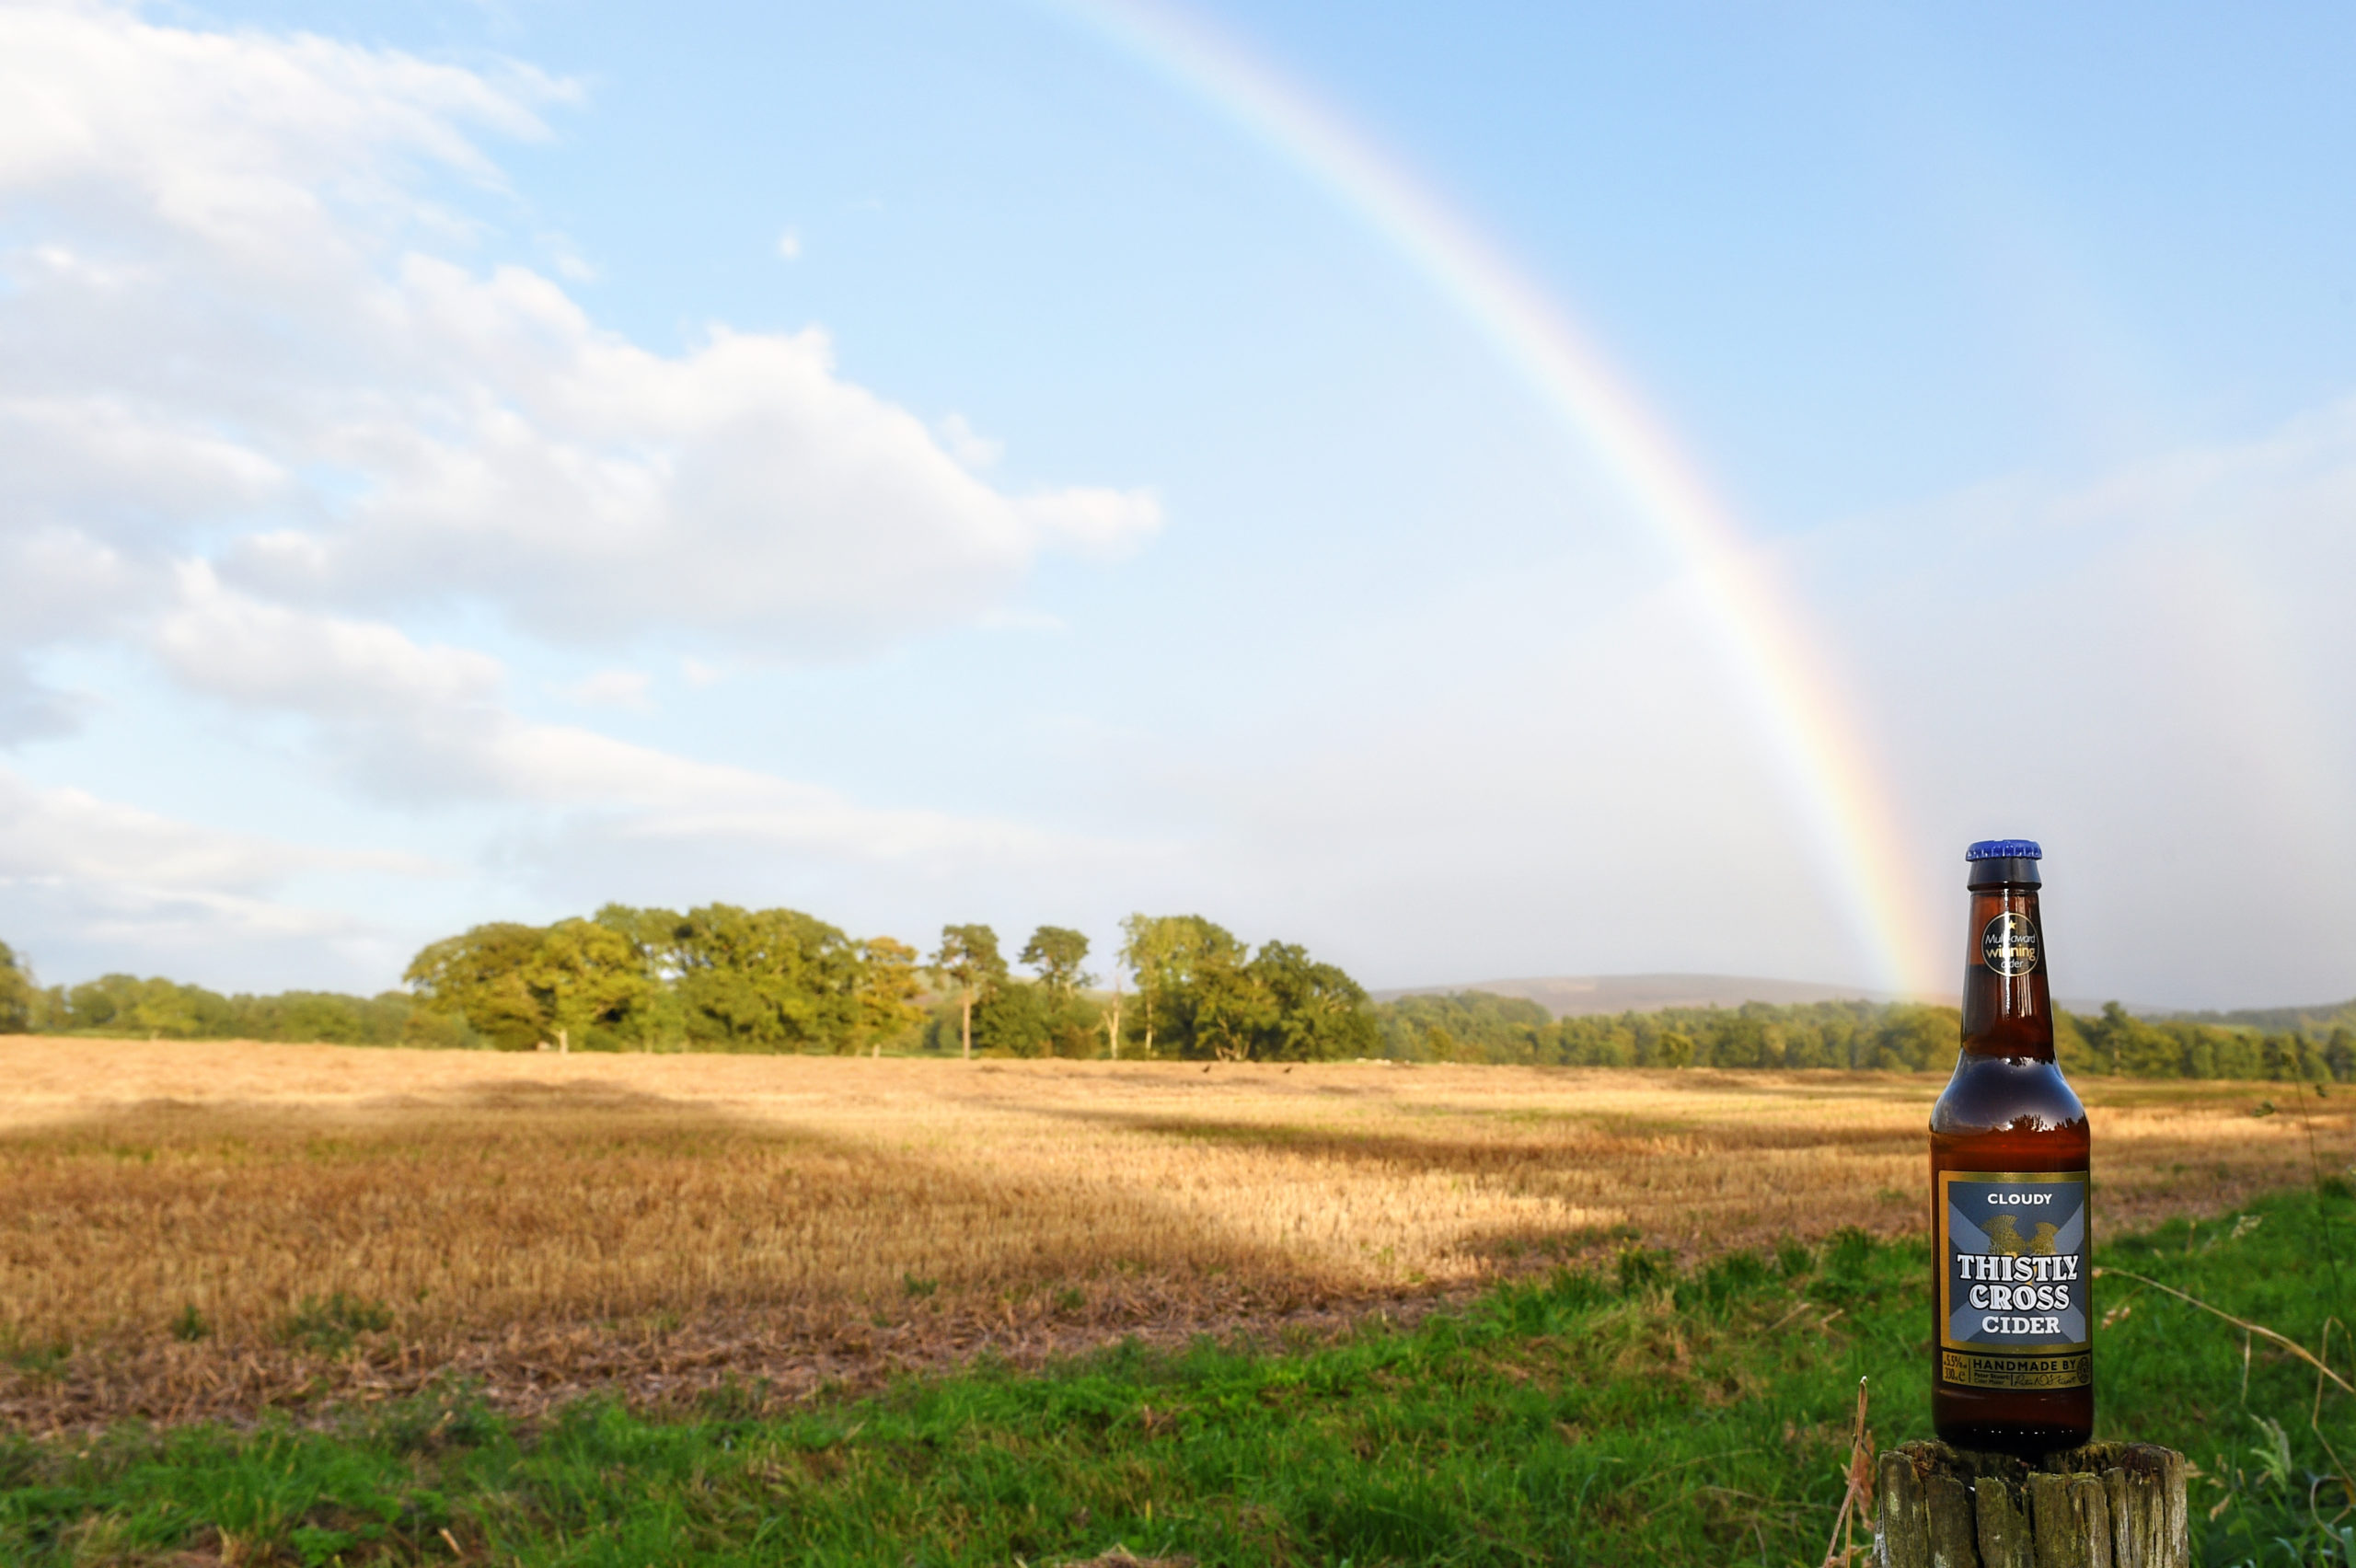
(1836, 781)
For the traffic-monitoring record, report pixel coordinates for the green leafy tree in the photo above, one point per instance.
(320, 1016)
(888, 983)
(480, 976)
(157, 1008)
(1145, 943)
(583, 976)
(17, 993)
(654, 935)
(1227, 1010)
(1476, 1025)
(1018, 1018)
(1191, 990)
(1055, 953)
(1015, 1018)
(766, 980)
(101, 1004)
(1747, 1039)
(1205, 994)
(968, 956)
(1313, 1012)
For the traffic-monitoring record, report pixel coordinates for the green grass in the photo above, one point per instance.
(1637, 1415)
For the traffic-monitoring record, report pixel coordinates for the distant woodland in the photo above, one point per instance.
(723, 978)
(1473, 1026)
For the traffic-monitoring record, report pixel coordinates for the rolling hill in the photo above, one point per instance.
(1570, 994)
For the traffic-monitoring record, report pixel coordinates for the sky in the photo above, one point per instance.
(1479, 490)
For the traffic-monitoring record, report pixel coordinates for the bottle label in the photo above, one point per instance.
(2008, 943)
(2013, 1297)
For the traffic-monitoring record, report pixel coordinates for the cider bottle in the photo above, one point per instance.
(2012, 1347)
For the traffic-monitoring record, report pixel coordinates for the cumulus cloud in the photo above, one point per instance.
(50, 834)
(425, 724)
(241, 320)
(89, 883)
(256, 147)
(58, 585)
(268, 392)
(593, 490)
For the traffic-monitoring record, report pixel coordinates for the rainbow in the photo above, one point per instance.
(1834, 778)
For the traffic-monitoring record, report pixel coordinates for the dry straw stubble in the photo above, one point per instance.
(192, 1228)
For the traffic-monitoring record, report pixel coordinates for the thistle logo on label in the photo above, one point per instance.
(2013, 1300)
(2008, 944)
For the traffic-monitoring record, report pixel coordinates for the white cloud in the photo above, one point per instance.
(94, 881)
(1096, 522)
(594, 491)
(968, 445)
(627, 689)
(70, 834)
(267, 655)
(57, 584)
(111, 465)
(261, 149)
(789, 246)
(233, 327)
(569, 264)
(423, 724)
(261, 394)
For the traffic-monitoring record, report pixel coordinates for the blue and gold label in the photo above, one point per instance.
(2014, 1284)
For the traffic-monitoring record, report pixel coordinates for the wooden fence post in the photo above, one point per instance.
(2105, 1505)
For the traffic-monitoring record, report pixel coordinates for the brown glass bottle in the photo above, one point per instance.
(2011, 1357)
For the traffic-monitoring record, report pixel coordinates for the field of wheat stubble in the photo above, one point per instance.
(207, 1229)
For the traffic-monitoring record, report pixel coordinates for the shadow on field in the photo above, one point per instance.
(549, 1234)
(546, 1242)
(525, 1094)
(1588, 1140)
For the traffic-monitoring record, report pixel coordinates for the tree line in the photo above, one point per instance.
(723, 978)
(126, 1004)
(1476, 1026)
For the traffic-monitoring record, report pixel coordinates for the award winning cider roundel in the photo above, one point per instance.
(2012, 1351)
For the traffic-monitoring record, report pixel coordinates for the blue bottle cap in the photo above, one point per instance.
(2004, 850)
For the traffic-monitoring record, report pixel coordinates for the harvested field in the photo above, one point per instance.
(209, 1228)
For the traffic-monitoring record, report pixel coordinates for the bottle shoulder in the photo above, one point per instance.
(2007, 1094)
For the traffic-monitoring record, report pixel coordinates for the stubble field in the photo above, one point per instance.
(204, 1229)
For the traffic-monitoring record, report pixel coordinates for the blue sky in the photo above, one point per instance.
(922, 464)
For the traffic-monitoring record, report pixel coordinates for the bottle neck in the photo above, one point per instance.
(2006, 1008)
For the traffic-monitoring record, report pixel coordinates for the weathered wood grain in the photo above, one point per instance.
(2004, 1540)
(1955, 1532)
(1903, 1538)
(2105, 1505)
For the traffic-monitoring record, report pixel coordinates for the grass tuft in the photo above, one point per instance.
(331, 1325)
